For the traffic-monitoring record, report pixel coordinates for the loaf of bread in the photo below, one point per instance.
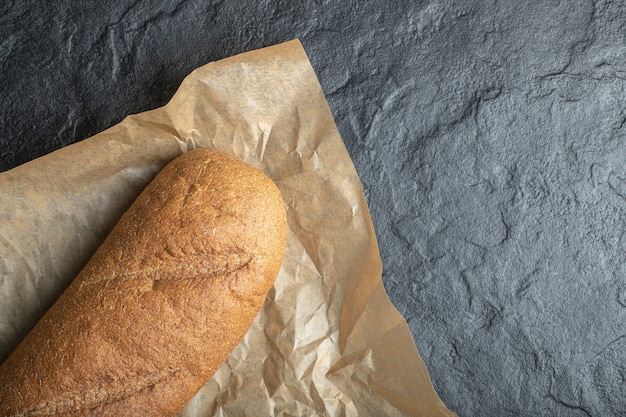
(162, 303)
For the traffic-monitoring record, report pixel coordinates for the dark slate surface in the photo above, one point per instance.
(489, 137)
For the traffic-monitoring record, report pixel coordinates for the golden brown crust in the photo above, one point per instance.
(162, 303)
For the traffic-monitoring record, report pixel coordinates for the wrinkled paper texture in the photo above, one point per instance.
(328, 341)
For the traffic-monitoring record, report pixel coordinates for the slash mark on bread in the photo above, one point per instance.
(188, 267)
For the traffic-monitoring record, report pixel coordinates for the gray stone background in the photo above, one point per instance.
(489, 137)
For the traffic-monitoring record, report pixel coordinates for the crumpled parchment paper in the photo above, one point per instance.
(328, 342)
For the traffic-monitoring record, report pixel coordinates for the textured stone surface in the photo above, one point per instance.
(489, 137)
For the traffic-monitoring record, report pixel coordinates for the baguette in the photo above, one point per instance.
(162, 303)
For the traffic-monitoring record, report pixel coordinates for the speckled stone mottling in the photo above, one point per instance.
(489, 137)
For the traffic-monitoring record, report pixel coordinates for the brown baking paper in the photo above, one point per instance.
(328, 342)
